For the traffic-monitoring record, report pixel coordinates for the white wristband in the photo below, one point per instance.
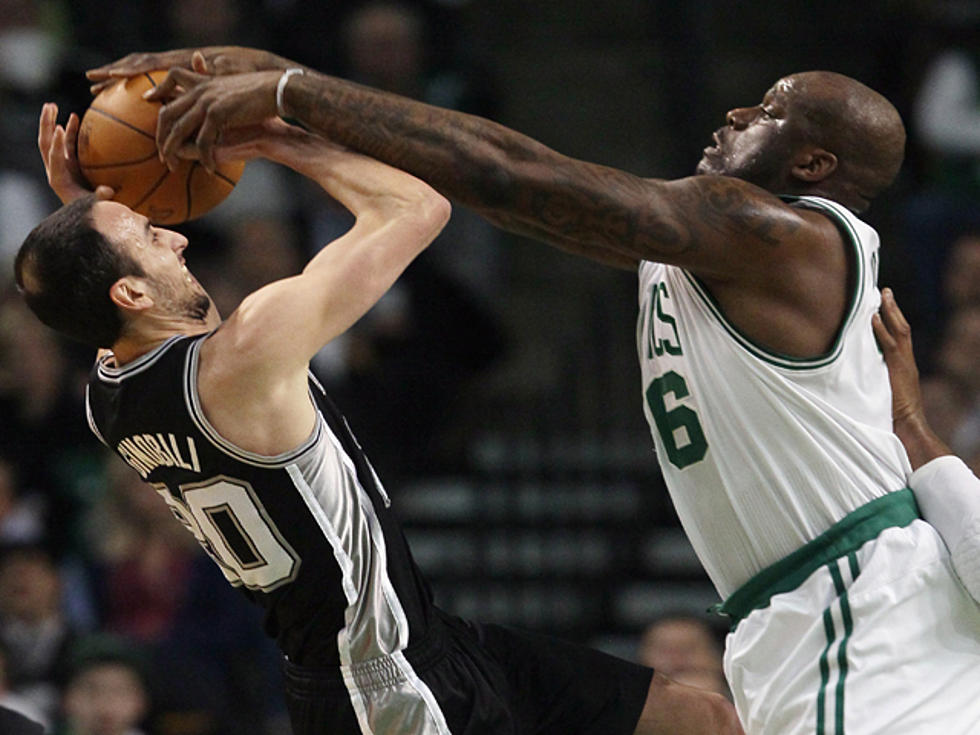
(281, 88)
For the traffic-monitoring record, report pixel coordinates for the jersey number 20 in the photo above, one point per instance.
(230, 523)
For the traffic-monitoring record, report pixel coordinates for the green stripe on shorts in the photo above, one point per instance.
(897, 509)
(830, 632)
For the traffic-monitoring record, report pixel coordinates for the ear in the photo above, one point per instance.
(814, 164)
(129, 293)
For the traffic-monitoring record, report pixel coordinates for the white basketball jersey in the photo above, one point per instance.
(762, 452)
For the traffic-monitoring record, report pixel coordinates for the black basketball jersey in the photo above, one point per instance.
(307, 534)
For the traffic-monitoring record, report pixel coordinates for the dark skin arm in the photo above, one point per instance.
(778, 272)
(908, 414)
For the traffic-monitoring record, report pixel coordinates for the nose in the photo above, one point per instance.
(178, 242)
(740, 117)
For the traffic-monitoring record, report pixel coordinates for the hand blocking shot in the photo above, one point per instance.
(224, 420)
(766, 396)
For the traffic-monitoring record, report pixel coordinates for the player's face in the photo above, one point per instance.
(757, 143)
(160, 252)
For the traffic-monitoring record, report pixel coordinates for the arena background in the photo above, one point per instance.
(496, 389)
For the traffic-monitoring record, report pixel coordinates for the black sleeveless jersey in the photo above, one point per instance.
(307, 534)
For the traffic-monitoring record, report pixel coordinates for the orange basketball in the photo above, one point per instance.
(117, 147)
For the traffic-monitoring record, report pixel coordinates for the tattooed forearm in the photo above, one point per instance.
(525, 187)
(516, 182)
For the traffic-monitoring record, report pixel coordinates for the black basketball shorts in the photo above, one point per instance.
(479, 680)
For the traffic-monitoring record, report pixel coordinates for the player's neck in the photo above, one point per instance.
(129, 347)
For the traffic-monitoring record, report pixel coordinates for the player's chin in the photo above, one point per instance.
(709, 164)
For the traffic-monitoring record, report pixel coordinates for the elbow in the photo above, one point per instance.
(431, 210)
(441, 210)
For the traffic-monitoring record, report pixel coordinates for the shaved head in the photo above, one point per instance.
(858, 125)
(816, 132)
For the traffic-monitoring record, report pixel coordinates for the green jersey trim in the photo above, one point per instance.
(776, 358)
(897, 509)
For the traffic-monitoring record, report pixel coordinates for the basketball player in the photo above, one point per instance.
(766, 395)
(224, 420)
(946, 489)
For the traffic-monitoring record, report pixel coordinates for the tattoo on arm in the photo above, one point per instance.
(525, 187)
(727, 207)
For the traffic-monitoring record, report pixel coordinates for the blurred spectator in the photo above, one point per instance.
(16, 703)
(952, 393)
(57, 460)
(213, 669)
(389, 45)
(251, 250)
(961, 281)
(14, 723)
(687, 650)
(21, 515)
(945, 125)
(33, 629)
(105, 690)
(397, 371)
(144, 558)
(30, 52)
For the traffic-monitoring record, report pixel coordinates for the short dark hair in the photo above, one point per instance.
(65, 269)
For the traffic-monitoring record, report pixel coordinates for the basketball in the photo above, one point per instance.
(117, 147)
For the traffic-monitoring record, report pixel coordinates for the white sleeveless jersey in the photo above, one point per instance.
(762, 452)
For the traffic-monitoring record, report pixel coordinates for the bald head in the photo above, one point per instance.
(855, 123)
(817, 133)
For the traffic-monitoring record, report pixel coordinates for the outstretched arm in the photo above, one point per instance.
(718, 227)
(947, 492)
(216, 60)
(253, 372)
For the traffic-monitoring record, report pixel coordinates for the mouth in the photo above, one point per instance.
(717, 144)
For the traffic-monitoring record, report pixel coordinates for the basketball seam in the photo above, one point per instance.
(122, 122)
(152, 189)
(225, 178)
(120, 163)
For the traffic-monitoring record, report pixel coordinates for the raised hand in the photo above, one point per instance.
(219, 60)
(57, 146)
(199, 110)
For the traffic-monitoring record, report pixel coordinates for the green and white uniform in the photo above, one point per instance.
(772, 462)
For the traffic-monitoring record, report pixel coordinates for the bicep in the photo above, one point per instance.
(709, 224)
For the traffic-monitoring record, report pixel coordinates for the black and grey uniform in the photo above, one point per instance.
(309, 536)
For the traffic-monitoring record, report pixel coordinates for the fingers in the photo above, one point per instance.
(892, 315)
(96, 89)
(104, 192)
(176, 82)
(207, 139)
(45, 130)
(177, 122)
(71, 134)
(139, 62)
(199, 63)
(56, 156)
(136, 63)
(885, 340)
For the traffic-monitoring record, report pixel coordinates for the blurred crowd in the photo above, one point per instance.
(112, 621)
